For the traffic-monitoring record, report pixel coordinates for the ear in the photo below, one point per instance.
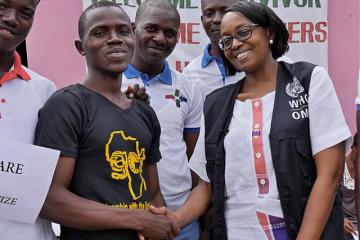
(271, 35)
(79, 47)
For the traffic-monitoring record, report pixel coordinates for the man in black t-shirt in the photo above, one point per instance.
(106, 176)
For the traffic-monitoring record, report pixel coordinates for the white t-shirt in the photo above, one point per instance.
(20, 102)
(243, 198)
(178, 105)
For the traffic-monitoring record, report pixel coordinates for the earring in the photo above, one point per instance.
(271, 41)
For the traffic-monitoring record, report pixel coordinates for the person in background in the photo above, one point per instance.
(348, 193)
(106, 176)
(211, 70)
(176, 101)
(22, 93)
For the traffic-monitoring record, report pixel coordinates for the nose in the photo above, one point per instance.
(159, 37)
(218, 17)
(236, 43)
(114, 38)
(9, 18)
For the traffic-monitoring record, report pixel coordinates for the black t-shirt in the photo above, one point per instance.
(111, 147)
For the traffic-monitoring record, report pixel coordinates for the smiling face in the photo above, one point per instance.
(108, 40)
(251, 54)
(156, 35)
(16, 18)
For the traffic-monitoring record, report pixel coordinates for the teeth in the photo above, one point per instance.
(5, 31)
(242, 55)
(117, 54)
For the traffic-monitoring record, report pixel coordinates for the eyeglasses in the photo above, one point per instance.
(242, 34)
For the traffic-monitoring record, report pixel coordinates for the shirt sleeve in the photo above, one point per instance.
(192, 122)
(60, 124)
(327, 123)
(197, 162)
(154, 154)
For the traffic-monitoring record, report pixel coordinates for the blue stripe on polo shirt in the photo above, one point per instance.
(358, 107)
(191, 130)
(207, 59)
(164, 76)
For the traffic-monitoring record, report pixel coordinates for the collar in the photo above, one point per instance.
(164, 76)
(207, 57)
(17, 71)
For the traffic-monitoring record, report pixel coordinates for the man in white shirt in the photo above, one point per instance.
(22, 93)
(176, 101)
(211, 70)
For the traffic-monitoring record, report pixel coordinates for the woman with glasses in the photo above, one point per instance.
(270, 154)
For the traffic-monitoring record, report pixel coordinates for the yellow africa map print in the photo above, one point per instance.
(126, 165)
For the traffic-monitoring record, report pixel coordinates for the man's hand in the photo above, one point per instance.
(137, 92)
(166, 212)
(348, 227)
(157, 227)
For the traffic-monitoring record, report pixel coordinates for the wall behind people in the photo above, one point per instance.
(50, 45)
(51, 49)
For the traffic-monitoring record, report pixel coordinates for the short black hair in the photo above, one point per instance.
(163, 4)
(100, 4)
(265, 17)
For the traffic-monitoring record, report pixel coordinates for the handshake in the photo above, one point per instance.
(165, 225)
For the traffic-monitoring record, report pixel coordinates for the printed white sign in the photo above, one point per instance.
(25, 175)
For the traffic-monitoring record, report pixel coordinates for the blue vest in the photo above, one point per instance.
(290, 145)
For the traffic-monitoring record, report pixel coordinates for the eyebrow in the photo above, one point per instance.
(103, 26)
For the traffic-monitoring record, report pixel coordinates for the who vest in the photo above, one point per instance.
(290, 145)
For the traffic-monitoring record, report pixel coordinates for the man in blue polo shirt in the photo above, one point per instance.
(211, 69)
(176, 101)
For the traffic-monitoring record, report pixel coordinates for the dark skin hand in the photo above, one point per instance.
(348, 227)
(137, 92)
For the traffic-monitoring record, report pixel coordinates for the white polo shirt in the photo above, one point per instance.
(22, 94)
(178, 105)
(209, 73)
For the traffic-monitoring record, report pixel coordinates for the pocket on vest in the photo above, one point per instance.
(306, 160)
